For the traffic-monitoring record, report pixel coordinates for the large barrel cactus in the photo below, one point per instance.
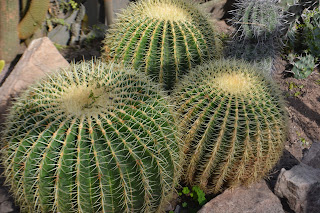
(163, 38)
(233, 124)
(94, 138)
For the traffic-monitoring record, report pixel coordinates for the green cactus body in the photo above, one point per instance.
(93, 138)
(232, 120)
(9, 19)
(33, 18)
(258, 19)
(257, 38)
(163, 38)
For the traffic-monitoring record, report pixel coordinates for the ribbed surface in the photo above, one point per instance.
(233, 135)
(258, 19)
(159, 43)
(119, 153)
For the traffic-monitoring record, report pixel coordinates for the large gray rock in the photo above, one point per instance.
(40, 58)
(256, 198)
(301, 187)
(312, 157)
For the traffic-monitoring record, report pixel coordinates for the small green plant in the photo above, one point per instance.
(196, 193)
(303, 66)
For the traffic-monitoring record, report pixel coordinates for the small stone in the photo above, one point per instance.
(312, 156)
(3, 196)
(256, 198)
(6, 207)
(301, 187)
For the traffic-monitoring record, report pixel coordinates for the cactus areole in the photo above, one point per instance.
(93, 138)
(162, 38)
(233, 124)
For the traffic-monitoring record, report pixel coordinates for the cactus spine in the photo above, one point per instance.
(33, 18)
(9, 19)
(233, 124)
(163, 38)
(94, 138)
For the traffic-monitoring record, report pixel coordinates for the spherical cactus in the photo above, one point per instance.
(94, 138)
(233, 124)
(163, 38)
(258, 19)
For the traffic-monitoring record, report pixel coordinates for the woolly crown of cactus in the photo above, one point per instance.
(163, 38)
(233, 124)
(92, 138)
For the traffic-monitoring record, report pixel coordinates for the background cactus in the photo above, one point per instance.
(311, 31)
(33, 18)
(94, 138)
(9, 19)
(232, 120)
(163, 38)
(258, 25)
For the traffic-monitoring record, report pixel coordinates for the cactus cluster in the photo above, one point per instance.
(102, 137)
(93, 138)
(232, 122)
(163, 38)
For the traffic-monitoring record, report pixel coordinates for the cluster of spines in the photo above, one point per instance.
(122, 157)
(232, 135)
(163, 47)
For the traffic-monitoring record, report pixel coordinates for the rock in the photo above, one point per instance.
(40, 58)
(256, 198)
(3, 195)
(6, 207)
(61, 33)
(301, 187)
(312, 157)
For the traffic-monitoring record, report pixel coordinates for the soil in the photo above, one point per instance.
(303, 106)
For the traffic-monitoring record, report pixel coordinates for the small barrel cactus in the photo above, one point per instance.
(258, 19)
(163, 38)
(93, 138)
(258, 25)
(233, 124)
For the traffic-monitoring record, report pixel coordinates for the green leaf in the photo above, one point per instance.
(200, 195)
(184, 204)
(185, 190)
